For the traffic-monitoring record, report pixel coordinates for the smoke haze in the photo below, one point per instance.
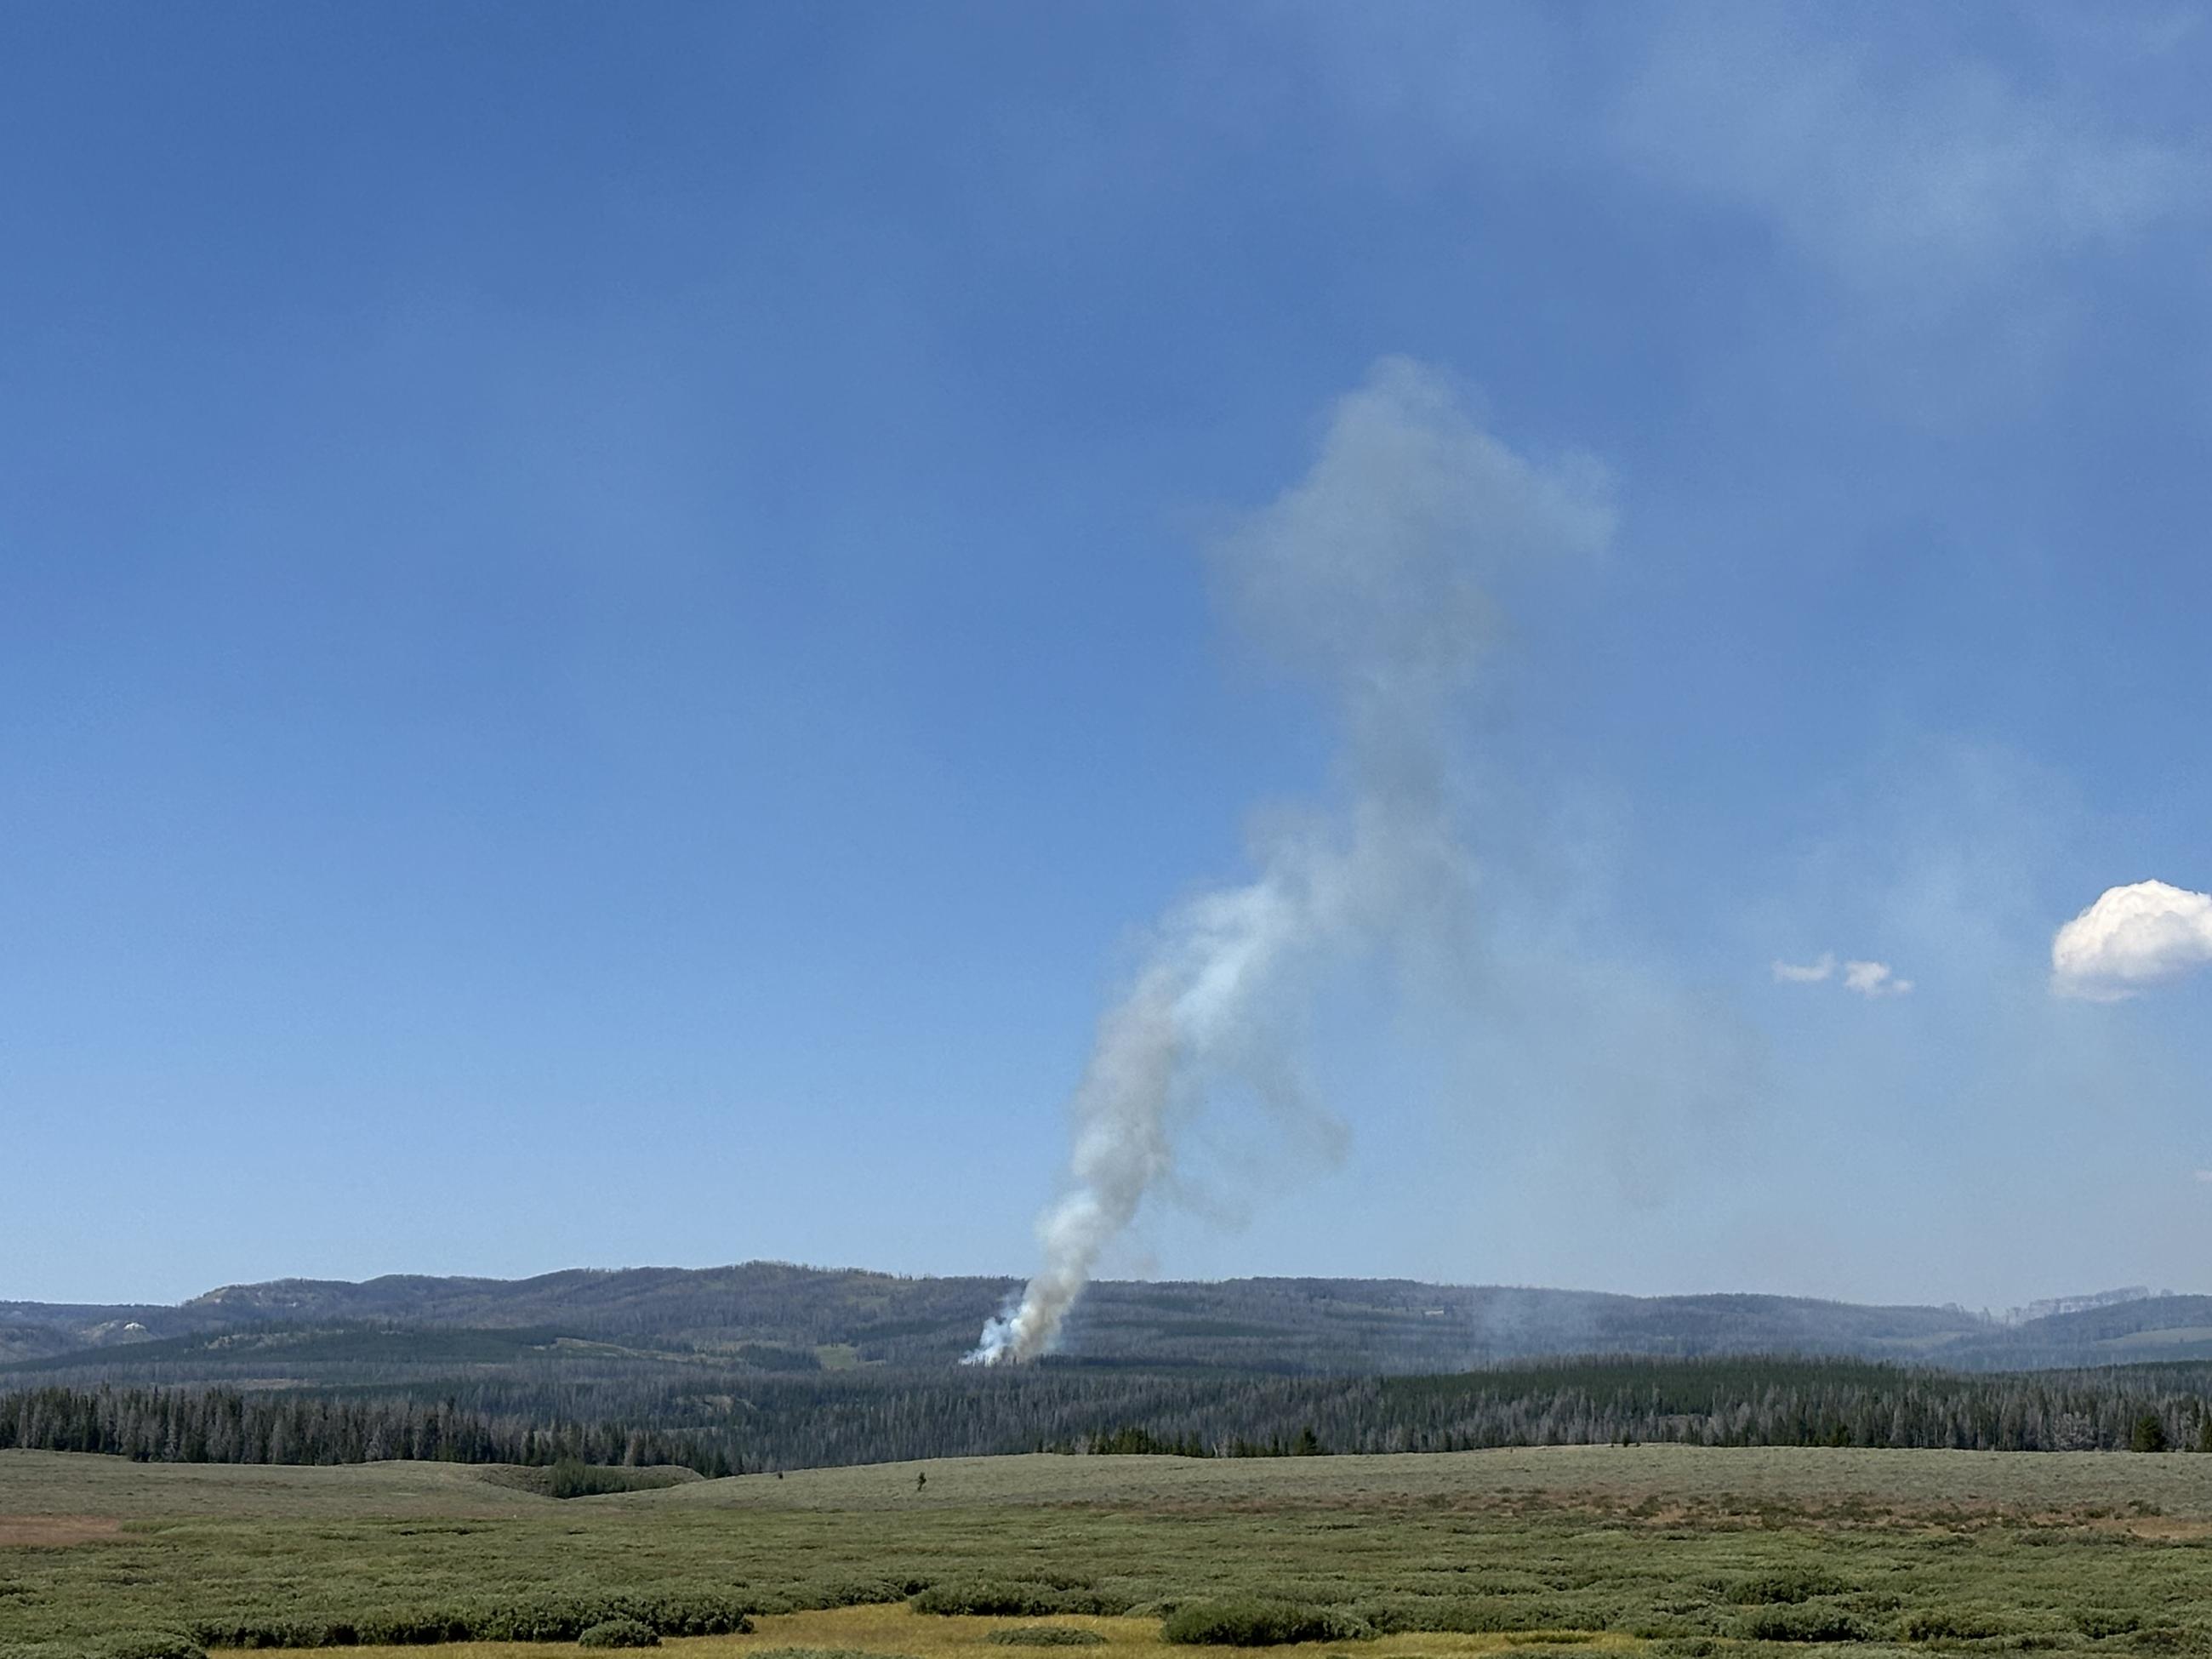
(1373, 579)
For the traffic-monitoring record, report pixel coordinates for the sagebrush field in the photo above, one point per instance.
(1680, 1547)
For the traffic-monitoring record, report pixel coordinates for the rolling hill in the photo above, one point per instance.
(777, 1318)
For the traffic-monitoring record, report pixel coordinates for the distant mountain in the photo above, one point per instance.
(774, 1317)
(30, 1330)
(712, 1310)
(2133, 1332)
(2064, 1304)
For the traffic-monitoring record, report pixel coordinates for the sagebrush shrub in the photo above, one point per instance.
(1024, 1599)
(1046, 1636)
(150, 1644)
(1261, 1623)
(2107, 1621)
(1802, 1621)
(1785, 1585)
(2174, 1638)
(619, 1633)
(1953, 1624)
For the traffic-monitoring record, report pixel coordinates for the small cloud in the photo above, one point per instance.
(1874, 979)
(2204, 1176)
(1868, 979)
(2132, 937)
(1811, 973)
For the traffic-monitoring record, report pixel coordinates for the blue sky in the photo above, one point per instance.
(606, 644)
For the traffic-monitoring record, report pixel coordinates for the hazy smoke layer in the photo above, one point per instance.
(2131, 937)
(1371, 578)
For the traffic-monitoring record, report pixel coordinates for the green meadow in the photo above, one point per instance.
(1678, 1550)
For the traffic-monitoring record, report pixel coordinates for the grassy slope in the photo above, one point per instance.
(59, 1482)
(1609, 1477)
(1642, 1543)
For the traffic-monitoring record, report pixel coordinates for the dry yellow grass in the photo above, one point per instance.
(48, 1532)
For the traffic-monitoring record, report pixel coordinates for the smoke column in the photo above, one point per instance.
(1372, 580)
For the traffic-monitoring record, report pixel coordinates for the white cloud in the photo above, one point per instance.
(1874, 979)
(1810, 973)
(2132, 937)
(1868, 979)
(2204, 1176)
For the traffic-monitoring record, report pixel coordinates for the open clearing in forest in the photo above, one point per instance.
(1684, 1550)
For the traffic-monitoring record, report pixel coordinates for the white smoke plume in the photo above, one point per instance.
(1373, 577)
(2131, 937)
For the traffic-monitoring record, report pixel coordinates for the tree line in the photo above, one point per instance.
(721, 1423)
(220, 1425)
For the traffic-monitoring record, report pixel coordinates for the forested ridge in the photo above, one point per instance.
(790, 1316)
(799, 1420)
